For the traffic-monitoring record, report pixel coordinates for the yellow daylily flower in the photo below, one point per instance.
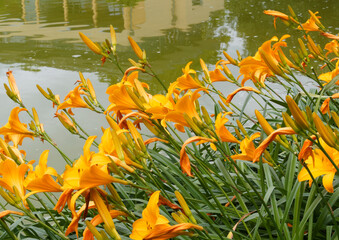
(184, 105)
(332, 47)
(247, 148)
(277, 14)
(261, 148)
(154, 226)
(83, 176)
(41, 179)
(14, 130)
(311, 23)
(325, 106)
(327, 77)
(319, 165)
(265, 62)
(187, 81)
(13, 177)
(185, 163)
(247, 89)
(222, 131)
(74, 100)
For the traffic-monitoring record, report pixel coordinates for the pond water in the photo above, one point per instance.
(39, 42)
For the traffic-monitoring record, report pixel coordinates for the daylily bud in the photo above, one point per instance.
(113, 167)
(9, 93)
(113, 39)
(241, 127)
(263, 123)
(292, 12)
(205, 70)
(316, 19)
(206, 117)
(325, 131)
(295, 57)
(312, 46)
(91, 91)
(135, 99)
(43, 92)
(94, 47)
(309, 115)
(117, 144)
(82, 79)
(335, 118)
(230, 59)
(7, 197)
(238, 134)
(152, 128)
(179, 217)
(298, 115)
(68, 123)
(239, 55)
(35, 117)
(112, 232)
(105, 215)
(13, 86)
(134, 63)
(283, 58)
(289, 122)
(228, 72)
(114, 193)
(271, 64)
(185, 207)
(135, 48)
(93, 230)
(303, 48)
(192, 125)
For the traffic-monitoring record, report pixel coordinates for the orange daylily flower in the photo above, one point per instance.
(123, 97)
(74, 100)
(7, 212)
(154, 226)
(319, 165)
(329, 35)
(185, 163)
(325, 107)
(84, 175)
(327, 77)
(184, 105)
(216, 75)
(14, 130)
(41, 179)
(247, 148)
(306, 151)
(332, 46)
(13, 176)
(276, 14)
(186, 81)
(248, 89)
(311, 23)
(222, 131)
(265, 62)
(66, 122)
(261, 148)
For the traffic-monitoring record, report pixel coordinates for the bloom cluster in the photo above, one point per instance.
(206, 173)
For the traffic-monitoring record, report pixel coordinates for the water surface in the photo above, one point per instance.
(40, 43)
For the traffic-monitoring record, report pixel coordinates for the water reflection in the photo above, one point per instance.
(39, 39)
